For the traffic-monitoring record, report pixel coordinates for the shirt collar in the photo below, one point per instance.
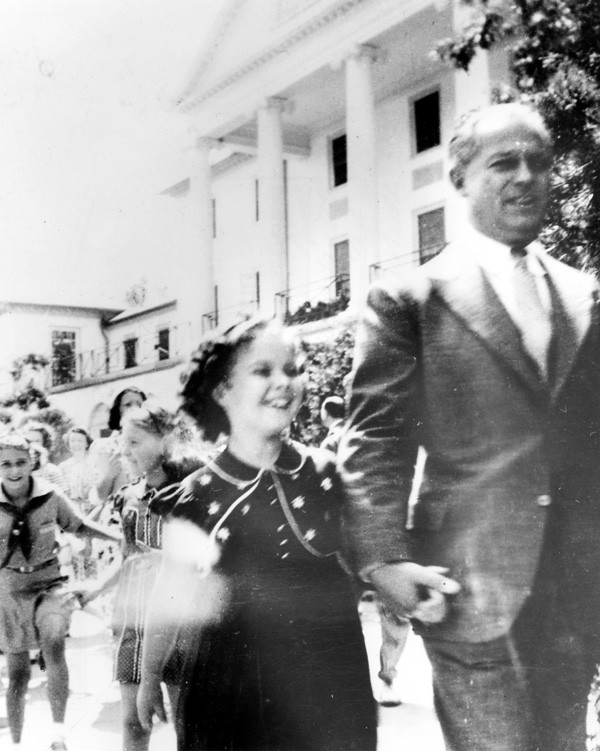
(495, 258)
(39, 488)
(290, 460)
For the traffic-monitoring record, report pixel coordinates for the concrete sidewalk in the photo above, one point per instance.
(93, 714)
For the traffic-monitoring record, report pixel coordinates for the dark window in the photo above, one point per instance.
(427, 122)
(341, 258)
(163, 344)
(339, 160)
(130, 350)
(213, 204)
(64, 364)
(432, 233)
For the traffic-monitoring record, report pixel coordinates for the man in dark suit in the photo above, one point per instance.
(488, 357)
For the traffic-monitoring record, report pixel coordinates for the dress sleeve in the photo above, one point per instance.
(118, 500)
(184, 500)
(67, 516)
(165, 500)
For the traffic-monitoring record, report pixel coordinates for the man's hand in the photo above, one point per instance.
(150, 702)
(415, 591)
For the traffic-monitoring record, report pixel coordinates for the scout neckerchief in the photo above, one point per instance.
(20, 533)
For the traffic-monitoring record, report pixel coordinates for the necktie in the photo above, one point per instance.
(20, 534)
(534, 320)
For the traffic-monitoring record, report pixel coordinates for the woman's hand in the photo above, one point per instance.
(84, 593)
(150, 702)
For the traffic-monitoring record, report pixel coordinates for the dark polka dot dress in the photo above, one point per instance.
(286, 668)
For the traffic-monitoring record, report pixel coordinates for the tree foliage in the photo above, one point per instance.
(35, 361)
(29, 401)
(555, 59)
(328, 364)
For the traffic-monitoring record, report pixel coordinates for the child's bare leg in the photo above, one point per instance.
(52, 640)
(174, 693)
(135, 738)
(19, 672)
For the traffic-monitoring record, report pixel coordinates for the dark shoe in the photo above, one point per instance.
(58, 746)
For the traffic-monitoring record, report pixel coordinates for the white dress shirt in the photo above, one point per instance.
(498, 263)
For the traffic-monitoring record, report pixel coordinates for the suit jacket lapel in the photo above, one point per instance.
(572, 298)
(464, 289)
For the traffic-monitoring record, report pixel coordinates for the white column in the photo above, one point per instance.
(271, 195)
(196, 274)
(473, 87)
(362, 175)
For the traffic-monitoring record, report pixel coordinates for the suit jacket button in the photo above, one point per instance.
(543, 500)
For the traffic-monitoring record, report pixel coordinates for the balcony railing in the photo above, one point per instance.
(120, 357)
(226, 317)
(314, 301)
(398, 264)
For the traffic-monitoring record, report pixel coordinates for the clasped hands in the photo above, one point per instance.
(150, 702)
(415, 591)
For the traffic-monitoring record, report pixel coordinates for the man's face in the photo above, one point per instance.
(506, 183)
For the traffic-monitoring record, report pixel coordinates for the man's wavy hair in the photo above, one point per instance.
(466, 142)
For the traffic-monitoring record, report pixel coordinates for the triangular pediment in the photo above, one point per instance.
(247, 30)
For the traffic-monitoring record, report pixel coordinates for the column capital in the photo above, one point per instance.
(364, 51)
(198, 140)
(276, 103)
(204, 143)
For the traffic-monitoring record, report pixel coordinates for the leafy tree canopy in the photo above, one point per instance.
(555, 58)
(29, 401)
(328, 363)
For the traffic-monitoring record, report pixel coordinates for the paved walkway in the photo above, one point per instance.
(93, 715)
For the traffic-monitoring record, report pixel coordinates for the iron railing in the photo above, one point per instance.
(229, 316)
(397, 264)
(120, 357)
(315, 300)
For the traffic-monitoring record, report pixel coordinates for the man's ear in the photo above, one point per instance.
(457, 178)
(218, 393)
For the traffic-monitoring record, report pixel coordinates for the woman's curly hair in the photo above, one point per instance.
(209, 366)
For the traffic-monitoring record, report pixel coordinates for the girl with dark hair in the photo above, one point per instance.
(162, 450)
(77, 469)
(41, 434)
(127, 399)
(280, 662)
(113, 471)
(78, 472)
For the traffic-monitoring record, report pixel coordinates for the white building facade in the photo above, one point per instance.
(317, 163)
(319, 159)
(93, 354)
